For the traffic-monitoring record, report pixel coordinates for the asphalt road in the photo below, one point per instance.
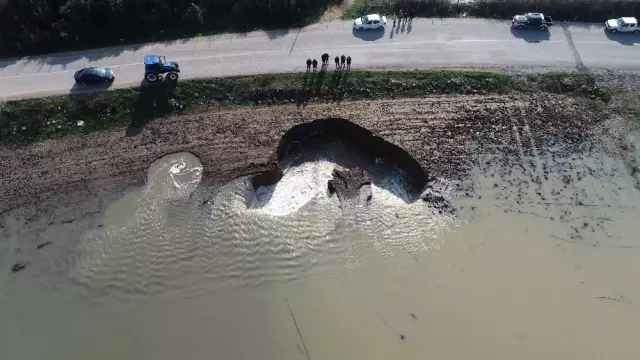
(424, 43)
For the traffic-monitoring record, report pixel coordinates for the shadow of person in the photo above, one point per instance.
(345, 78)
(335, 79)
(409, 27)
(319, 80)
(307, 79)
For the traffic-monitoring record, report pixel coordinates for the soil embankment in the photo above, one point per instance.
(439, 134)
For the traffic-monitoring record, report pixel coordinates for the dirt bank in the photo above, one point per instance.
(440, 133)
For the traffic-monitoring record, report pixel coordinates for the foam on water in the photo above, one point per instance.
(174, 176)
(298, 186)
(392, 189)
(150, 243)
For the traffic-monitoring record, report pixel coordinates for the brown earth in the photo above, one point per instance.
(440, 133)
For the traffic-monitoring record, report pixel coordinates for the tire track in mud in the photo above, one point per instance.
(572, 46)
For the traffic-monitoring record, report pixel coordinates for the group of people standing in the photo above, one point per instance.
(339, 60)
(406, 15)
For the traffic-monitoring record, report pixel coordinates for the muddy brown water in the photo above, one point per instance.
(522, 270)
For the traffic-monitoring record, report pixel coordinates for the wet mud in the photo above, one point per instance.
(531, 145)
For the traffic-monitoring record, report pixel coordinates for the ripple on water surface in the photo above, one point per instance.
(159, 238)
(145, 234)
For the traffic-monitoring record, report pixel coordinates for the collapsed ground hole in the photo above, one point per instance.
(349, 146)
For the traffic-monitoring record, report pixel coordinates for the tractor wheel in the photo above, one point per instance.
(519, 27)
(614, 30)
(380, 28)
(543, 28)
(172, 76)
(360, 29)
(636, 31)
(151, 77)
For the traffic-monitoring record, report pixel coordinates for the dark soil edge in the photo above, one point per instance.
(417, 176)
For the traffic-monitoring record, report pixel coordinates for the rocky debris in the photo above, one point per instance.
(346, 183)
(19, 266)
(435, 200)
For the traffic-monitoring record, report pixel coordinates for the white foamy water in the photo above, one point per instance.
(174, 176)
(298, 186)
(391, 189)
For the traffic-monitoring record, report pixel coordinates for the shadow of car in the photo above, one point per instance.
(628, 39)
(531, 35)
(82, 89)
(369, 35)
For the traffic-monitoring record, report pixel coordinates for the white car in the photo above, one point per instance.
(369, 22)
(623, 24)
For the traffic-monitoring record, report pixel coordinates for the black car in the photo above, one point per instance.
(531, 20)
(94, 75)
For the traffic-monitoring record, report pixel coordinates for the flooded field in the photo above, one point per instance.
(535, 255)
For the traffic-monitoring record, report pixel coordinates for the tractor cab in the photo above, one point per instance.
(155, 66)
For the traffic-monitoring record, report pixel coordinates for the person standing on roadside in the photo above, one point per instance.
(308, 64)
(348, 62)
(315, 64)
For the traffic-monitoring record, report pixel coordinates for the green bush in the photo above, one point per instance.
(605, 94)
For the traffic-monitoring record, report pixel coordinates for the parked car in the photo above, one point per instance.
(623, 25)
(94, 75)
(532, 21)
(370, 22)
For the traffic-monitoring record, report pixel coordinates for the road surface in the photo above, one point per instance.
(424, 43)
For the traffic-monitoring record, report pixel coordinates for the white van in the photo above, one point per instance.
(623, 24)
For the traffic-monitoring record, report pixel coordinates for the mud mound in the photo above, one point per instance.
(346, 183)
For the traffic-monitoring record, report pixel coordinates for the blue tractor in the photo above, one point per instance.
(155, 66)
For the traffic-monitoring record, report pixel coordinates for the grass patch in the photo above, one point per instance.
(568, 82)
(363, 7)
(45, 118)
(605, 94)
